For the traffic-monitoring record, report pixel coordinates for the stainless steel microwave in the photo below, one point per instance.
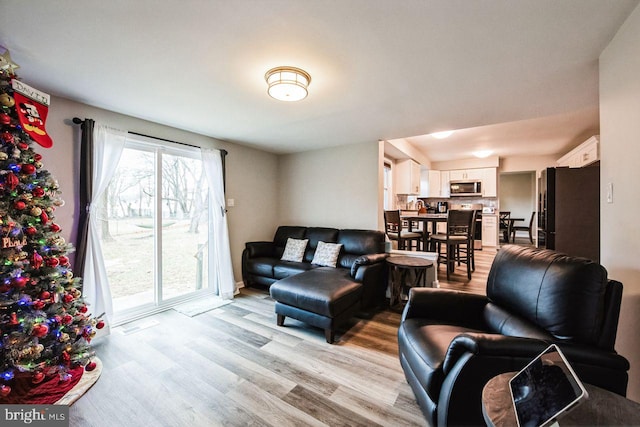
(465, 188)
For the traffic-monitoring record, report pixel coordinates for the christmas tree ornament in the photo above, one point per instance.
(37, 378)
(52, 262)
(7, 138)
(90, 366)
(11, 181)
(13, 319)
(6, 100)
(28, 168)
(36, 262)
(20, 282)
(40, 330)
(4, 390)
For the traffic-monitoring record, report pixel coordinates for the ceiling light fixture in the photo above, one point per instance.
(481, 154)
(287, 83)
(442, 135)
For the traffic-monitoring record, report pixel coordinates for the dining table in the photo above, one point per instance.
(425, 218)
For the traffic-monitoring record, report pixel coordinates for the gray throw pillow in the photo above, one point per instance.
(327, 254)
(294, 250)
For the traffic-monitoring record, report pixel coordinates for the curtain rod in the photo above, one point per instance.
(78, 121)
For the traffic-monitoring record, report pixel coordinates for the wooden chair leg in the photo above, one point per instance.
(450, 263)
(280, 319)
(468, 262)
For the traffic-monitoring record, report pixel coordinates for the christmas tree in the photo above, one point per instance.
(45, 327)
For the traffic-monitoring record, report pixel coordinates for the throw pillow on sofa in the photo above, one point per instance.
(294, 250)
(326, 254)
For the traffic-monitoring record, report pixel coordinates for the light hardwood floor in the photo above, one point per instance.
(233, 366)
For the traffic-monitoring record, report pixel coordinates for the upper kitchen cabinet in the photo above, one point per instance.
(489, 182)
(583, 155)
(463, 174)
(407, 174)
(445, 189)
(430, 183)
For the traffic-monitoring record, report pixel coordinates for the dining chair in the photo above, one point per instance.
(529, 229)
(505, 225)
(457, 242)
(395, 231)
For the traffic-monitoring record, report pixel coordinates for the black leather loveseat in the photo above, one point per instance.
(319, 295)
(451, 343)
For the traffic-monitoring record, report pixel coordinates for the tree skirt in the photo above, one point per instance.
(88, 379)
(51, 390)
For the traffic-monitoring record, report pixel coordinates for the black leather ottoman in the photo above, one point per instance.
(324, 297)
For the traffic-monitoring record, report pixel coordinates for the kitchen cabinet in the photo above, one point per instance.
(489, 230)
(489, 182)
(430, 183)
(465, 174)
(583, 155)
(445, 191)
(407, 174)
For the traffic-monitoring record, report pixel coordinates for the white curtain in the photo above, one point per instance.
(219, 251)
(107, 148)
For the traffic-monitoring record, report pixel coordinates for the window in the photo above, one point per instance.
(155, 227)
(388, 185)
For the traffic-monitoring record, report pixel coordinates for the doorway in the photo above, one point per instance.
(518, 195)
(155, 228)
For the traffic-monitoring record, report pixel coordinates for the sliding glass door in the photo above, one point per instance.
(154, 228)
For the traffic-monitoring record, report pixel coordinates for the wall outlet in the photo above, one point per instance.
(231, 203)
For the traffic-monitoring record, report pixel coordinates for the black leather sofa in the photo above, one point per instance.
(321, 296)
(452, 343)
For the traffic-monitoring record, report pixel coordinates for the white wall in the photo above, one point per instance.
(620, 152)
(518, 195)
(251, 174)
(333, 187)
(528, 163)
(473, 163)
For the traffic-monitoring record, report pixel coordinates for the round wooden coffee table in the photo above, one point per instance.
(400, 272)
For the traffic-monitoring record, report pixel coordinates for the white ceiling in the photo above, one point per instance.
(522, 73)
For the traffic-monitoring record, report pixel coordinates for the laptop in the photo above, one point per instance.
(545, 390)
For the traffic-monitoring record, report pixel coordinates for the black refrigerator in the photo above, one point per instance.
(569, 211)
